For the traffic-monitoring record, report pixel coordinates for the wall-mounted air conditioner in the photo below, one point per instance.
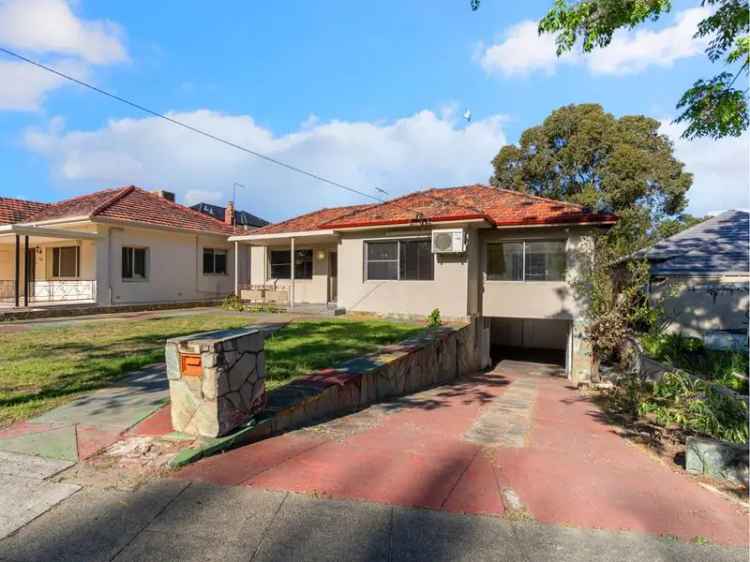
(448, 241)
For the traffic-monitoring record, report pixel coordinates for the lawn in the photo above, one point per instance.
(42, 367)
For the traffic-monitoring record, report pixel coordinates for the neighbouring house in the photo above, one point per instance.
(701, 278)
(242, 219)
(116, 246)
(503, 258)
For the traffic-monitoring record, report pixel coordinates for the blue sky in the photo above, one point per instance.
(367, 94)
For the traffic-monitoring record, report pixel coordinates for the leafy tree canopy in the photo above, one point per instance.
(584, 155)
(712, 107)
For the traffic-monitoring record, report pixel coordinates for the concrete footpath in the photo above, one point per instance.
(175, 520)
(33, 451)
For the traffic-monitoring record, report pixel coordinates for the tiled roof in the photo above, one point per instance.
(718, 245)
(134, 205)
(310, 221)
(16, 210)
(499, 207)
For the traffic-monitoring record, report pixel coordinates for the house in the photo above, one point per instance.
(242, 219)
(115, 246)
(701, 276)
(473, 252)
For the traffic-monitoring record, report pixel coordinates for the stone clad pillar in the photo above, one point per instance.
(216, 380)
(579, 261)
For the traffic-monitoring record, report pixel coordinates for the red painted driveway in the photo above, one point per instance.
(449, 448)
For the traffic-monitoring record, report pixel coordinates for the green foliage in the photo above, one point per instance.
(232, 302)
(584, 155)
(434, 320)
(670, 227)
(615, 296)
(691, 355)
(713, 107)
(697, 405)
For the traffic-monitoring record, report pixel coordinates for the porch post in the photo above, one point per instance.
(236, 269)
(291, 289)
(26, 283)
(18, 269)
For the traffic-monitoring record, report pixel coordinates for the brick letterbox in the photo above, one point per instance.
(216, 380)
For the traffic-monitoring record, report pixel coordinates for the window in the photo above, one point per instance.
(406, 260)
(526, 261)
(65, 262)
(281, 266)
(214, 261)
(134, 263)
(505, 261)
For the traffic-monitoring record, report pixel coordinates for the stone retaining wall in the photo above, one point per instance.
(437, 357)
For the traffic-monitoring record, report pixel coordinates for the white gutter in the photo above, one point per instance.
(280, 235)
(22, 230)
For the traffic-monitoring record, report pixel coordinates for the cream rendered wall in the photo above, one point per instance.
(535, 299)
(695, 305)
(174, 266)
(313, 290)
(449, 291)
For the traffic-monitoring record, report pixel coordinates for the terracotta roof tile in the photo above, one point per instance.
(310, 221)
(16, 210)
(135, 205)
(499, 207)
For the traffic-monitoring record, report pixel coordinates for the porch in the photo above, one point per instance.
(42, 267)
(296, 272)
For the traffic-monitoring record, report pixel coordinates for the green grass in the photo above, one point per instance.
(43, 367)
(302, 347)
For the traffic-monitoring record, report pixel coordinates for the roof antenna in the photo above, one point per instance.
(235, 185)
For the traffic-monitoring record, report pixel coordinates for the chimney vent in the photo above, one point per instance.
(168, 195)
(229, 214)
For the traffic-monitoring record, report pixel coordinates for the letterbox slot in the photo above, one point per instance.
(190, 365)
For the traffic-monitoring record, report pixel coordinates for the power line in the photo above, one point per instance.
(202, 132)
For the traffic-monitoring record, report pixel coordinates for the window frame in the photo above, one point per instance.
(398, 241)
(133, 278)
(56, 274)
(288, 263)
(524, 242)
(214, 252)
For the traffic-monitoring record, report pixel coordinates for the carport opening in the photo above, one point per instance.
(529, 339)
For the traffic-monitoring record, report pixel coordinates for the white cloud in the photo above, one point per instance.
(721, 170)
(24, 86)
(523, 50)
(401, 156)
(50, 29)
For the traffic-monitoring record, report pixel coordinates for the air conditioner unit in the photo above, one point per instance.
(451, 241)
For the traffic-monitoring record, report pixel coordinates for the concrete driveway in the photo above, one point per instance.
(517, 443)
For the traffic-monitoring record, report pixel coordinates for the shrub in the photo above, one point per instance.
(433, 320)
(696, 405)
(691, 355)
(232, 302)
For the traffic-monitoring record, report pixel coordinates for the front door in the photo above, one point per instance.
(333, 274)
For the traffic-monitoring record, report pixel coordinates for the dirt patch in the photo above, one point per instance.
(125, 465)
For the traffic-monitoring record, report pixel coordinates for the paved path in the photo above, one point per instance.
(82, 427)
(513, 443)
(26, 492)
(176, 520)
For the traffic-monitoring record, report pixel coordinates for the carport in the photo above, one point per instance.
(541, 340)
